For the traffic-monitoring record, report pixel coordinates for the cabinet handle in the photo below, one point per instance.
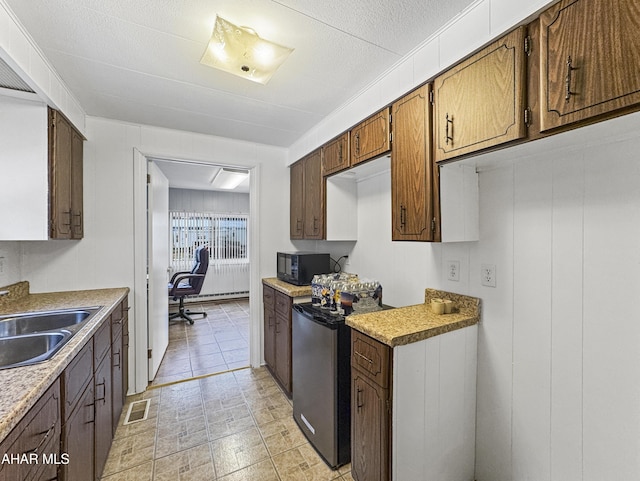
(567, 80)
(118, 363)
(359, 402)
(363, 357)
(446, 130)
(358, 143)
(340, 153)
(44, 438)
(315, 225)
(79, 216)
(403, 216)
(104, 390)
(277, 325)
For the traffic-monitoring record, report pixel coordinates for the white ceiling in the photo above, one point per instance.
(138, 60)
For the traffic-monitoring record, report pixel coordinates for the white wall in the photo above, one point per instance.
(104, 258)
(559, 363)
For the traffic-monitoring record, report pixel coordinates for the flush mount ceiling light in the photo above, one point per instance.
(240, 51)
(229, 179)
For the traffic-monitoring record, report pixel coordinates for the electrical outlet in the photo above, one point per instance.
(453, 270)
(488, 275)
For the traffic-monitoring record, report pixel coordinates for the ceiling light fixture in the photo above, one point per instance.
(229, 179)
(240, 51)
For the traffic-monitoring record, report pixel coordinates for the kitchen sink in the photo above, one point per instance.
(32, 322)
(30, 349)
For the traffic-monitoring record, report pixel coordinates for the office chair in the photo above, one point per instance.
(185, 284)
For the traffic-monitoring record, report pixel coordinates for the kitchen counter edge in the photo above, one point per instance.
(405, 325)
(289, 289)
(23, 386)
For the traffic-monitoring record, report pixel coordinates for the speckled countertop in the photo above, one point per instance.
(404, 325)
(23, 386)
(289, 289)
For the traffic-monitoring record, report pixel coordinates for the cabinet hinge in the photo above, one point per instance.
(390, 118)
(527, 45)
(390, 137)
(527, 116)
(433, 224)
(149, 353)
(388, 402)
(148, 178)
(431, 97)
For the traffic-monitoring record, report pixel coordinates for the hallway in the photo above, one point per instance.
(216, 343)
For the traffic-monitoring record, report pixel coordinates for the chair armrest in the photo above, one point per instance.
(175, 286)
(173, 278)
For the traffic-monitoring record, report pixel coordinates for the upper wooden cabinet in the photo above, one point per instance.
(413, 176)
(296, 200)
(335, 155)
(66, 217)
(480, 103)
(371, 137)
(589, 60)
(307, 198)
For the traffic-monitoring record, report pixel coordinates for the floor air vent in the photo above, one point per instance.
(138, 411)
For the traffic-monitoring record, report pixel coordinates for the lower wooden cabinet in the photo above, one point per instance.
(370, 409)
(370, 424)
(70, 428)
(78, 438)
(104, 411)
(277, 335)
(37, 434)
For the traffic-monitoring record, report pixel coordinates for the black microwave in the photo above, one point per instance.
(299, 267)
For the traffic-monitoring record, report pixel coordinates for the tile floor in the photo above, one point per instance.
(232, 426)
(215, 343)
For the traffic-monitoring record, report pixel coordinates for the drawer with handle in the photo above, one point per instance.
(371, 357)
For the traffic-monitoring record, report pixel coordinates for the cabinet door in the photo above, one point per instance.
(412, 169)
(589, 59)
(118, 394)
(335, 155)
(370, 430)
(37, 432)
(313, 197)
(269, 336)
(78, 439)
(103, 413)
(283, 351)
(370, 138)
(480, 103)
(296, 200)
(60, 177)
(77, 213)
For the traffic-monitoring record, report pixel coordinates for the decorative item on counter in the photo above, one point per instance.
(362, 297)
(448, 306)
(323, 289)
(437, 306)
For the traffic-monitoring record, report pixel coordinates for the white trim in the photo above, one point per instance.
(140, 248)
(139, 332)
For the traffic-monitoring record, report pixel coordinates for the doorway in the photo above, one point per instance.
(229, 321)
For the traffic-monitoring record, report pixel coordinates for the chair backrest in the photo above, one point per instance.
(200, 267)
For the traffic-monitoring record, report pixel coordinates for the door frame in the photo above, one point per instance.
(138, 371)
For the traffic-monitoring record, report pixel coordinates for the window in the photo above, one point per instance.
(226, 235)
